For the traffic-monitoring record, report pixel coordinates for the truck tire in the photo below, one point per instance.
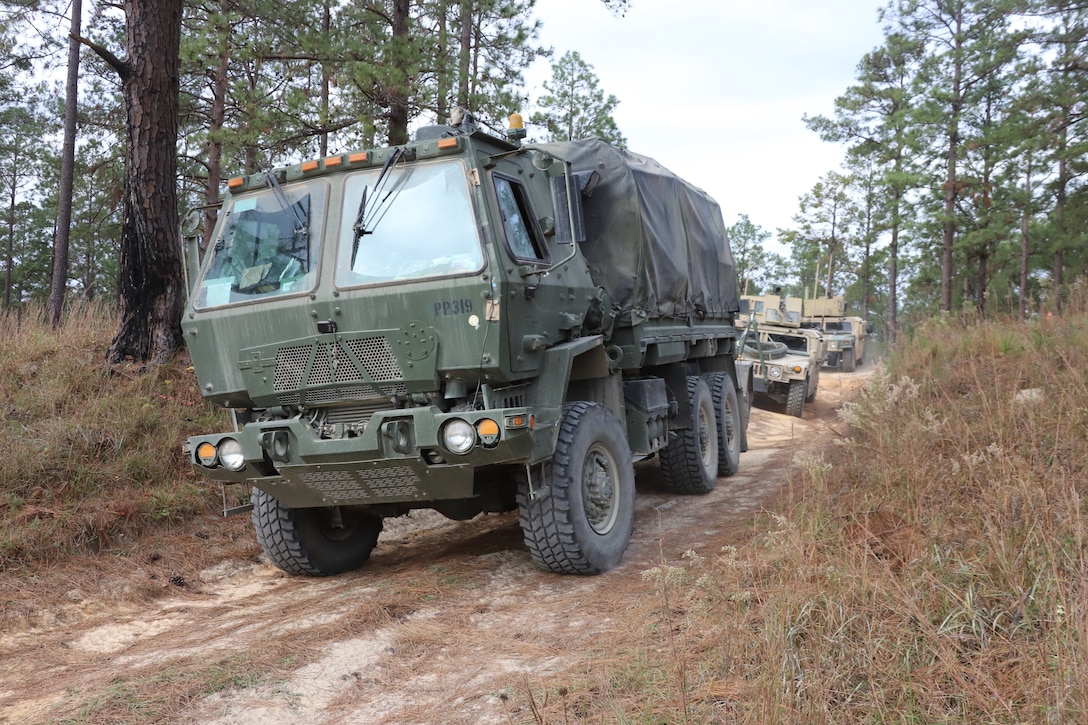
(582, 523)
(304, 541)
(690, 461)
(795, 401)
(848, 361)
(728, 418)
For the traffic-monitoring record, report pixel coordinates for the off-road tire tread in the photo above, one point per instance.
(279, 537)
(848, 364)
(681, 461)
(795, 401)
(548, 528)
(720, 384)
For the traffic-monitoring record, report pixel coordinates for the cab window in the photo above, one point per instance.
(521, 234)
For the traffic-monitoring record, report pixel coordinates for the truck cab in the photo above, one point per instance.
(425, 326)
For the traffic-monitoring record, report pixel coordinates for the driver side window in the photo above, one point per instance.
(521, 235)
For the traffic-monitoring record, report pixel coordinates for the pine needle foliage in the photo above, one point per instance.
(90, 454)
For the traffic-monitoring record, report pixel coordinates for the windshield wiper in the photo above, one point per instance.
(359, 228)
(302, 231)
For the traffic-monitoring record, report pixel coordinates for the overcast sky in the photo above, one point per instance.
(715, 90)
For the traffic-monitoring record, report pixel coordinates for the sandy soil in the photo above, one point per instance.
(446, 618)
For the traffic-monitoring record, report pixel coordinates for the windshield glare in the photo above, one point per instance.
(418, 224)
(265, 249)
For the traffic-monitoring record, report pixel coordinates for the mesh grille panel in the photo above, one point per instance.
(321, 372)
(394, 482)
(290, 367)
(377, 357)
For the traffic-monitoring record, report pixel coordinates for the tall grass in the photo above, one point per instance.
(935, 570)
(89, 453)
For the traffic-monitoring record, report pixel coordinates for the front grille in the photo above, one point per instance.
(367, 362)
(290, 367)
(377, 358)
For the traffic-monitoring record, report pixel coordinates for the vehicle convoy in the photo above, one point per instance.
(845, 334)
(470, 324)
(786, 357)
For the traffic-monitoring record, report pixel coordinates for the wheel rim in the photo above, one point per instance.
(706, 428)
(599, 497)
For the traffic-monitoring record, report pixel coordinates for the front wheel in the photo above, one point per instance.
(795, 401)
(848, 361)
(690, 462)
(578, 518)
(314, 541)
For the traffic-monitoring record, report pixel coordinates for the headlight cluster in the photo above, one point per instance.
(459, 436)
(832, 346)
(775, 371)
(228, 454)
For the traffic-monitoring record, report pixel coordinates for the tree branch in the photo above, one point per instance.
(104, 53)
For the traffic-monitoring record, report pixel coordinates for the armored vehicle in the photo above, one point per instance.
(469, 324)
(845, 335)
(785, 363)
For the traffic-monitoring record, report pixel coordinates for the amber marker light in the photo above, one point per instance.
(519, 420)
(206, 454)
(309, 165)
(333, 161)
(236, 182)
(448, 143)
(359, 158)
(488, 431)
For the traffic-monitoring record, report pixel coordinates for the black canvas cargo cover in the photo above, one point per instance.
(655, 242)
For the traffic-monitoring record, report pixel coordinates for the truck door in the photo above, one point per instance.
(535, 302)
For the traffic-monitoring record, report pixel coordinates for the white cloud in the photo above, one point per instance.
(715, 90)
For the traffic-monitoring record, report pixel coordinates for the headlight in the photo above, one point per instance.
(832, 346)
(230, 454)
(458, 436)
(776, 371)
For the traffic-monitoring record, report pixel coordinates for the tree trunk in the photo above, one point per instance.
(398, 91)
(58, 285)
(216, 118)
(1025, 248)
(150, 294)
(465, 55)
(323, 139)
(10, 257)
(950, 182)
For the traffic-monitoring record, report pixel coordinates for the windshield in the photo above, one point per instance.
(418, 224)
(267, 246)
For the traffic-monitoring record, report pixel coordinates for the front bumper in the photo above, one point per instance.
(396, 457)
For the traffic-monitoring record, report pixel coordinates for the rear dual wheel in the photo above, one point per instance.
(690, 462)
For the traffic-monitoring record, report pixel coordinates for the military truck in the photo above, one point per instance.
(470, 324)
(845, 334)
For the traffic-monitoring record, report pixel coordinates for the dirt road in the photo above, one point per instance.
(447, 623)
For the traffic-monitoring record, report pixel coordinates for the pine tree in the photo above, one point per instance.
(575, 106)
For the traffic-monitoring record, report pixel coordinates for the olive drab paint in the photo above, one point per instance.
(462, 323)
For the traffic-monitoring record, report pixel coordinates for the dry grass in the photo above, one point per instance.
(90, 453)
(936, 570)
